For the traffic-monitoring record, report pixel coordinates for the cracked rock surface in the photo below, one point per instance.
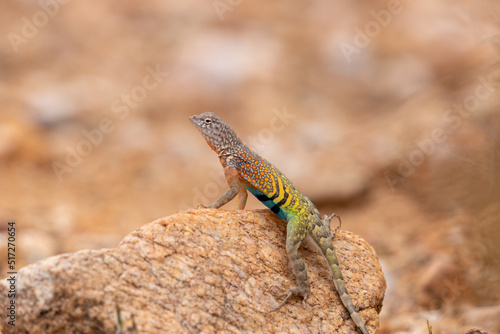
(197, 271)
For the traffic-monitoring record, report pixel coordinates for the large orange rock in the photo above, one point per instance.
(197, 271)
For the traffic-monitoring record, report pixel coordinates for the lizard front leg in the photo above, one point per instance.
(231, 174)
(296, 232)
(242, 198)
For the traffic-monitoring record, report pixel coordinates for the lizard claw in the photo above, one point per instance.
(295, 291)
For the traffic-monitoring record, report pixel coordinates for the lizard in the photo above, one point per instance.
(246, 170)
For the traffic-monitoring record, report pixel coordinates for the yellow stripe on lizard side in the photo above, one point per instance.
(273, 185)
(288, 200)
(281, 191)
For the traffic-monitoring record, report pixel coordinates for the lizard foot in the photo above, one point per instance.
(295, 291)
(327, 221)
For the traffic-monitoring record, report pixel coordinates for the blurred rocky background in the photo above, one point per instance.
(385, 112)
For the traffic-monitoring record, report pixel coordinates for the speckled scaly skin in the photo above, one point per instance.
(246, 170)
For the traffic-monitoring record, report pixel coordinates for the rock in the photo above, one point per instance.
(475, 331)
(487, 318)
(197, 271)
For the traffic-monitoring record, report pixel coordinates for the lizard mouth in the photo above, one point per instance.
(193, 119)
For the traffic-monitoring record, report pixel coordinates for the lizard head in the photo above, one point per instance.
(216, 132)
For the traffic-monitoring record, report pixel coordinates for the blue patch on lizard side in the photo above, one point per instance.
(267, 202)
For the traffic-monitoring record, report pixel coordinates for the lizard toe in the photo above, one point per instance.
(295, 291)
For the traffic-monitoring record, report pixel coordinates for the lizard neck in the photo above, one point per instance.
(225, 145)
(230, 148)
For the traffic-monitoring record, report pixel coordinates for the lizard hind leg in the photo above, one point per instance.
(296, 232)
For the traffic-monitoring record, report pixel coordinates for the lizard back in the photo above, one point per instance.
(268, 184)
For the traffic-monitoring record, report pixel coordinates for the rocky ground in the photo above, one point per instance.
(384, 112)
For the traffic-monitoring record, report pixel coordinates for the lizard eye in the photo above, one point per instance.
(208, 121)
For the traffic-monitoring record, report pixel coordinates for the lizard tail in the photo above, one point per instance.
(326, 248)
